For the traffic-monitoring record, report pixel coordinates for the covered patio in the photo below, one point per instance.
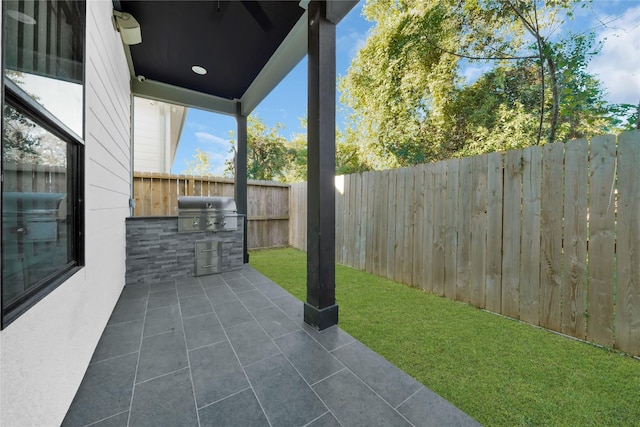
(233, 350)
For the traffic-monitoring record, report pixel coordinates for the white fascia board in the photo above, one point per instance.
(176, 95)
(286, 57)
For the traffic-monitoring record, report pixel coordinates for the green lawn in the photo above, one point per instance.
(499, 371)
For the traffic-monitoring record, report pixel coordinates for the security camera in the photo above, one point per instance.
(141, 78)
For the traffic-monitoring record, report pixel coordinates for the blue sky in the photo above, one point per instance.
(616, 22)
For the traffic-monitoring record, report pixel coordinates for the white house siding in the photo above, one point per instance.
(156, 131)
(45, 352)
(149, 136)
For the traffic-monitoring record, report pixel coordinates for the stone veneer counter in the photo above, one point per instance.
(157, 252)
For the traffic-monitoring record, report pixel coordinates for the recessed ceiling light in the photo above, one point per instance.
(199, 70)
(21, 17)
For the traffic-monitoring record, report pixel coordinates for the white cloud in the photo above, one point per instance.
(352, 42)
(207, 138)
(618, 64)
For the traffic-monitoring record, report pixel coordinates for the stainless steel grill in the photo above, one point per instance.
(206, 214)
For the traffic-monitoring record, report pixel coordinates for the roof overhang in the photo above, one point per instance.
(247, 47)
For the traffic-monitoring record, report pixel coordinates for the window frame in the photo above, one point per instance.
(22, 102)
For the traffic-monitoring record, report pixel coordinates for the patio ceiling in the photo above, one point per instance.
(247, 48)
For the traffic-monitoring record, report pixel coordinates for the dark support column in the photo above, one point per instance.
(240, 191)
(321, 310)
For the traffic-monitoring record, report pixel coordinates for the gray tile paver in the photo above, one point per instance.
(246, 358)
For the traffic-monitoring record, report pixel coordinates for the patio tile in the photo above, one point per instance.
(163, 299)
(292, 307)
(212, 280)
(126, 311)
(163, 319)
(195, 305)
(286, 398)
(165, 401)
(270, 289)
(187, 281)
(220, 295)
(232, 313)
(354, 404)
(203, 330)
(327, 420)
(230, 275)
(241, 409)
(312, 360)
(119, 420)
(190, 290)
(427, 409)
(105, 391)
(134, 292)
(240, 284)
(161, 354)
(118, 339)
(275, 322)
(390, 382)
(254, 300)
(251, 343)
(216, 373)
(162, 286)
(331, 338)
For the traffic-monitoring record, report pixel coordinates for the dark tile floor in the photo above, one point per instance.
(232, 350)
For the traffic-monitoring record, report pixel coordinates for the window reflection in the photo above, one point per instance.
(44, 54)
(36, 230)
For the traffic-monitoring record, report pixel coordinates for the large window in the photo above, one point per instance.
(42, 149)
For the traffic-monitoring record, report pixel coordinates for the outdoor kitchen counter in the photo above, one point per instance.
(156, 251)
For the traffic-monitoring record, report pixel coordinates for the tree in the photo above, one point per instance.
(200, 165)
(267, 152)
(413, 104)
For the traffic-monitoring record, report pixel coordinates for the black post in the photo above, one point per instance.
(321, 310)
(240, 190)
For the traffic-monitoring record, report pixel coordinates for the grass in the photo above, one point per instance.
(499, 371)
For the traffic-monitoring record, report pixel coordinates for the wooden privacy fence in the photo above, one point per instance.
(267, 202)
(548, 235)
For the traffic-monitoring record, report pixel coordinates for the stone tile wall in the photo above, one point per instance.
(157, 252)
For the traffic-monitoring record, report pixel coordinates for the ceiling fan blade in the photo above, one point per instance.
(258, 13)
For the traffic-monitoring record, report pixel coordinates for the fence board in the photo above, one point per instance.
(574, 285)
(427, 229)
(391, 223)
(479, 232)
(364, 220)
(511, 233)
(493, 294)
(628, 249)
(368, 188)
(409, 215)
(418, 243)
(383, 224)
(530, 241)
(439, 211)
(400, 207)
(464, 231)
(601, 240)
(451, 232)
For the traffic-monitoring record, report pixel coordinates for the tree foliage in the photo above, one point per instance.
(200, 165)
(412, 102)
